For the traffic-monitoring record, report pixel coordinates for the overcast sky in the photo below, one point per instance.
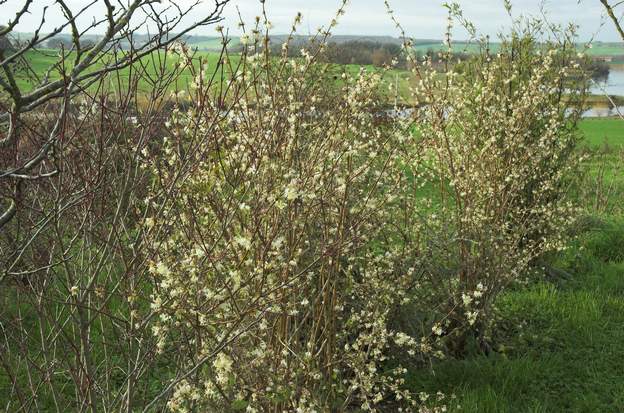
(422, 18)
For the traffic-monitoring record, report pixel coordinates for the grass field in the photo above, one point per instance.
(599, 132)
(606, 49)
(597, 49)
(559, 346)
(40, 62)
(214, 44)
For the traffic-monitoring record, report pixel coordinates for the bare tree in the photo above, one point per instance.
(72, 138)
(75, 69)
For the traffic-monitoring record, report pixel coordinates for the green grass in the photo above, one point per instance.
(606, 49)
(40, 62)
(600, 131)
(568, 356)
(597, 49)
(213, 44)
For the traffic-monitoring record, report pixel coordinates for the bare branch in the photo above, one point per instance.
(610, 12)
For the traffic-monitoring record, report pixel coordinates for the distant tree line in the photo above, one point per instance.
(598, 69)
(366, 52)
(362, 53)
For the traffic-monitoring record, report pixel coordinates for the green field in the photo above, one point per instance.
(600, 132)
(606, 49)
(213, 44)
(597, 49)
(151, 68)
(153, 65)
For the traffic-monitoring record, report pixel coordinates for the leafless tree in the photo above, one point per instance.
(75, 69)
(72, 142)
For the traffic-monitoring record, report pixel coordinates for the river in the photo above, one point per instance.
(612, 86)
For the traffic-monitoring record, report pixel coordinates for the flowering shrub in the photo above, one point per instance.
(303, 226)
(280, 264)
(500, 142)
(287, 246)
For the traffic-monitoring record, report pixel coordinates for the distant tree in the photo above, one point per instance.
(380, 57)
(5, 43)
(60, 43)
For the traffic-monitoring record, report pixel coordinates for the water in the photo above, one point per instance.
(603, 112)
(613, 85)
(595, 112)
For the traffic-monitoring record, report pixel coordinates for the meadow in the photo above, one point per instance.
(153, 67)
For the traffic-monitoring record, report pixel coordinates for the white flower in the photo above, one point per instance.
(277, 242)
(472, 317)
(243, 242)
(223, 366)
(149, 222)
(466, 299)
(291, 192)
(162, 269)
